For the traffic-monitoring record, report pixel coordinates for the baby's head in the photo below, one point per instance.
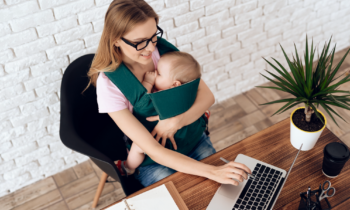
(176, 68)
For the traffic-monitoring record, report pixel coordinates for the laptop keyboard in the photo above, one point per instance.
(258, 192)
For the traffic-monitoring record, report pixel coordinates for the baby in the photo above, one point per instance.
(174, 69)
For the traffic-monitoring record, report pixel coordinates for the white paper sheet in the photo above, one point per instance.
(118, 206)
(158, 198)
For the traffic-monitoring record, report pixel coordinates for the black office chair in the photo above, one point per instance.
(88, 132)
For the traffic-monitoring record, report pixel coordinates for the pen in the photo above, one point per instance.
(226, 161)
(308, 198)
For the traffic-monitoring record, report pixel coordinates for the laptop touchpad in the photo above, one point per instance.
(228, 190)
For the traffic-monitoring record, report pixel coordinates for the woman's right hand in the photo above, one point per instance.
(224, 174)
(166, 129)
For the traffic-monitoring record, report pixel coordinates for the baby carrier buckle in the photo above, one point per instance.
(206, 119)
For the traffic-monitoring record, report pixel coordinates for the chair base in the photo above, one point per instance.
(99, 189)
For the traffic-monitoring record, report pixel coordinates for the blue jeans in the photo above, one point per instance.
(150, 174)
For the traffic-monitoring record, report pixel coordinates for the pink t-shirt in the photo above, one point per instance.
(109, 97)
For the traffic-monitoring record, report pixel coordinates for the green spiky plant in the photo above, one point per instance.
(309, 83)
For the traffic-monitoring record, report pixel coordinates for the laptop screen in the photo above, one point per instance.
(283, 181)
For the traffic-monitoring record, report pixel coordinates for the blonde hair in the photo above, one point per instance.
(121, 17)
(184, 67)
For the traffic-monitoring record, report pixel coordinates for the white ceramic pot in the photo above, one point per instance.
(307, 138)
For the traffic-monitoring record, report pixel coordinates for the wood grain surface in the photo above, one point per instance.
(272, 146)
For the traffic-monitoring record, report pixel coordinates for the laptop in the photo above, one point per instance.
(260, 193)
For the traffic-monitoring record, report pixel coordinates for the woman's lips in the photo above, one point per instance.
(147, 57)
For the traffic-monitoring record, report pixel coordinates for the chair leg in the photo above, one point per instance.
(99, 189)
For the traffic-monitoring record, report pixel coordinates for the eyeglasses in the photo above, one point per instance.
(143, 44)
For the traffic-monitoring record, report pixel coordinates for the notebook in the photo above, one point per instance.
(162, 197)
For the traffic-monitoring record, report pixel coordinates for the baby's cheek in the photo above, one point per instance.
(161, 84)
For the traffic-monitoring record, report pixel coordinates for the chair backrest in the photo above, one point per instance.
(85, 130)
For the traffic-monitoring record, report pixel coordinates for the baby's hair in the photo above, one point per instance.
(184, 67)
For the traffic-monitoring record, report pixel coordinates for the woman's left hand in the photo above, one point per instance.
(167, 128)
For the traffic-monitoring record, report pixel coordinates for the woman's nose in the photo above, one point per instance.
(150, 47)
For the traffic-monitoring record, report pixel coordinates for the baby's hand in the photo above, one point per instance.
(150, 77)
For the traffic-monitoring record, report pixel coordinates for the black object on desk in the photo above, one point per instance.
(335, 156)
(312, 200)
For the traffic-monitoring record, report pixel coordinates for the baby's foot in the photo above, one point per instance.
(124, 171)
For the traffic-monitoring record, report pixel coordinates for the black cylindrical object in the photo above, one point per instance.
(335, 156)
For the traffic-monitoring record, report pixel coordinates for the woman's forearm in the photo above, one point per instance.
(181, 163)
(204, 100)
(140, 135)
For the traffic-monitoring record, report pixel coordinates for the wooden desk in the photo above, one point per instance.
(272, 146)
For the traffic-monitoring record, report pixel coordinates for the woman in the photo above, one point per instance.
(128, 43)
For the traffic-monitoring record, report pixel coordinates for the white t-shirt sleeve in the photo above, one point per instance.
(109, 97)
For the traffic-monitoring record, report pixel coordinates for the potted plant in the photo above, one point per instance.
(314, 85)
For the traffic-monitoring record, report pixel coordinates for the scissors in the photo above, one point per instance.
(326, 192)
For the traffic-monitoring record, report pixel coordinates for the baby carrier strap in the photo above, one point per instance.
(174, 101)
(128, 84)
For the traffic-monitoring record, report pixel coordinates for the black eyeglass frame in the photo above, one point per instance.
(148, 40)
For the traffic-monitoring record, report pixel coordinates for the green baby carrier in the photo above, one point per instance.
(166, 104)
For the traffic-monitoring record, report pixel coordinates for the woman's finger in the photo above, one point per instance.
(231, 181)
(240, 172)
(164, 140)
(238, 177)
(241, 166)
(158, 137)
(173, 142)
(153, 118)
(154, 132)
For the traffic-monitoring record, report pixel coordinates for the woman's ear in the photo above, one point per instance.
(117, 44)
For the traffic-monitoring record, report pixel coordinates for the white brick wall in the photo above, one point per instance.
(39, 38)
